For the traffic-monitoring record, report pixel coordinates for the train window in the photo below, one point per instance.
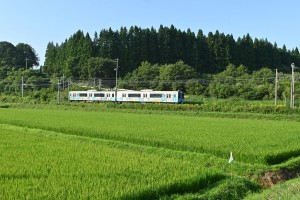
(112, 95)
(145, 95)
(155, 95)
(83, 94)
(99, 95)
(134, 95)
(123, 94)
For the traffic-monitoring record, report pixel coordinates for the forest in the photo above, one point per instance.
(206, 54)
(213, 65)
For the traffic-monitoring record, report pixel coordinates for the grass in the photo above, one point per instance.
(289, 190)
(234, 189)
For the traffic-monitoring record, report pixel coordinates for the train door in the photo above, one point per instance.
(90, 96)
(145, 96)
(169, 98)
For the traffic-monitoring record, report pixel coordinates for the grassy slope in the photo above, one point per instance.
(289, 190)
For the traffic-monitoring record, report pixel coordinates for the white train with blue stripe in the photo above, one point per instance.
(143, 96)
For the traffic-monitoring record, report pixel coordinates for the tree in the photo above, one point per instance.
(145, 76)
(8, 54)
(14, 57)
(100, 67)
(193, 87)
(50, 62)
(229, 82)
(211, 67)
(154, 55)
(26, 55)
(72, 68)
(166, 44)
(173, 76)
(245, 52)
(85, 55)
(202, 53)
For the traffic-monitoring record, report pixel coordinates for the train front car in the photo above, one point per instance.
(163, 96)
(176, 97)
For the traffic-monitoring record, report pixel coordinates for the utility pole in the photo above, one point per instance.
(293, 87)
(26, 59)
(58, 92)
(100, 83)
(276, 86)
(116, 69)
(63, 83)
(22, 86)
(69, 89)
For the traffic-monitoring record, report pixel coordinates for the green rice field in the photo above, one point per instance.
(253, 141)
(67, 154)
(38, 164)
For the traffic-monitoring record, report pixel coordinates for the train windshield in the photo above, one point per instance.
(181, 95)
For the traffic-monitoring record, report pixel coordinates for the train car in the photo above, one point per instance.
(150, 96)
(91, 96)
(142, 96)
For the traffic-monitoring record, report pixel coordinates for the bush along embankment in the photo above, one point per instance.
(212, 107)
(220, 107)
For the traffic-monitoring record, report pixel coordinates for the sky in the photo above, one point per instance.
(38, 22)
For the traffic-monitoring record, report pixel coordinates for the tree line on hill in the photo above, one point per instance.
(215, 65)
(81, 56)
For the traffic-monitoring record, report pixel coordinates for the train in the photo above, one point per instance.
(142, 96)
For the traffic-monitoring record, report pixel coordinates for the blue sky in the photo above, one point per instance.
(37, 22)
